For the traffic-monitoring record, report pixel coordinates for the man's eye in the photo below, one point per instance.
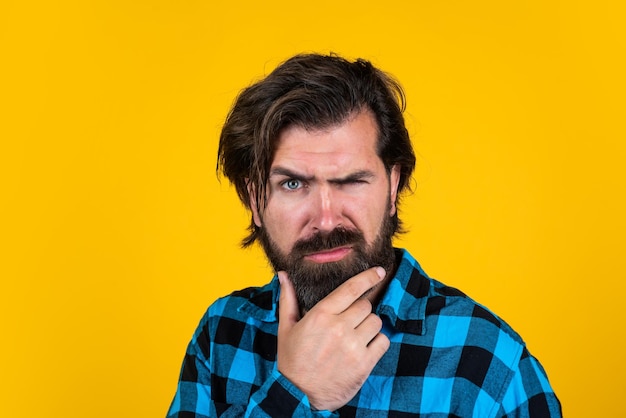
(292, 184)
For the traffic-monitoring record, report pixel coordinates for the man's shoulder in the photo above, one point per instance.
(448, 306)
(457, 305)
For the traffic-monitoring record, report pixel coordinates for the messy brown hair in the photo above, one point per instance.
(313, 91)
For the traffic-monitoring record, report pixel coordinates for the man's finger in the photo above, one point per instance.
(288, 310)
(343, 296)
(379, 346)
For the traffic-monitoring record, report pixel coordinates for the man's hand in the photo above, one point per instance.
(330, 352)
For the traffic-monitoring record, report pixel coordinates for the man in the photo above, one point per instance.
(349, 326)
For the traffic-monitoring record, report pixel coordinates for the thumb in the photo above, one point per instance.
(288, 311)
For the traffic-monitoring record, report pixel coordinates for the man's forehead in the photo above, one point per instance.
(356, 136)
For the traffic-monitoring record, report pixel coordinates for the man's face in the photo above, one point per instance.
(329, 207)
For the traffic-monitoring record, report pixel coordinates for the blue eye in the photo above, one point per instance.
(292, 184)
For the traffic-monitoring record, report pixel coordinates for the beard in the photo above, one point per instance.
(314, 281)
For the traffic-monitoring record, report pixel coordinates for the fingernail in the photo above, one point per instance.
(381, 272)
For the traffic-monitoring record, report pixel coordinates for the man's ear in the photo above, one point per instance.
(253, 204)
(394, 181)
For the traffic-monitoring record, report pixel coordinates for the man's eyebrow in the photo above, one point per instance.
(352, 177)
(282, 171)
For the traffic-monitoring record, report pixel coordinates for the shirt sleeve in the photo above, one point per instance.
(277, 396)
(530, 393)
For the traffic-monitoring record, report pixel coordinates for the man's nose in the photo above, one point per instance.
(327, 210)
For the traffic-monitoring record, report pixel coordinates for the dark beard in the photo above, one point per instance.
(314, 281)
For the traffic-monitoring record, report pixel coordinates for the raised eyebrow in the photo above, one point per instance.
(281, 171)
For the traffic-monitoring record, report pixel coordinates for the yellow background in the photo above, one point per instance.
(116, 234)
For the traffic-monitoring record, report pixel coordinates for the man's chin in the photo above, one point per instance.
(314, 281)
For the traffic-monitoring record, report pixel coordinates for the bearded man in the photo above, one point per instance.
(349, 326)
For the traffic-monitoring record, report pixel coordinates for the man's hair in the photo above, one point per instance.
(314, 92)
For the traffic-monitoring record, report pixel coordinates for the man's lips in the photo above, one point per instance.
(328, 256)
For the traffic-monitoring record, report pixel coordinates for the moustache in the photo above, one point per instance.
(327, 240)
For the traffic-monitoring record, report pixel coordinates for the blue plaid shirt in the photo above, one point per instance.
(449, 357)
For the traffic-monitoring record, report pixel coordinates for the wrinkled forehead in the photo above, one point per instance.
(310, 133)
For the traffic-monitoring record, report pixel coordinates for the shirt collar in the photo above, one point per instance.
(404, 301)
(263, 303)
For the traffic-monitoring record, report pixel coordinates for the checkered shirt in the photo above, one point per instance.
(449, 357)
